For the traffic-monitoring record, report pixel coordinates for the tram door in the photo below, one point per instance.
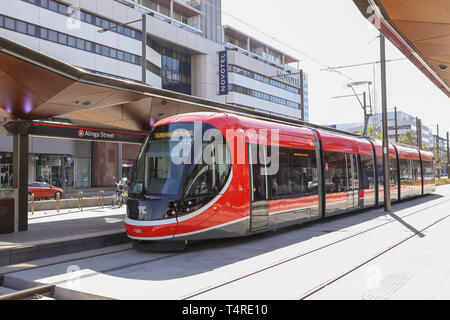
(353, 181)
(259, 207)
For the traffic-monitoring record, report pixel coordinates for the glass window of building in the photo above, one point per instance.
(180, 17)
(164, 10)
(150, 4)
(69, 171)
(6, 170)
(83, 173)
(48, 169)
(176, 71)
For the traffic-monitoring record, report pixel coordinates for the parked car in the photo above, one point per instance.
(43, 190)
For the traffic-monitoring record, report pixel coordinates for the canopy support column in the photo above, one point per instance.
(20, 172)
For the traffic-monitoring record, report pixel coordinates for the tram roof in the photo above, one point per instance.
(419, 29)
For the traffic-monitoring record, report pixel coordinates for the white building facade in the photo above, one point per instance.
(183, 41)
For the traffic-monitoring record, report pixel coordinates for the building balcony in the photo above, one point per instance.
(237, 40)
(176, 12)
(262, 58)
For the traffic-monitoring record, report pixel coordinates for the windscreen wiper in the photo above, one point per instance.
(150, 197)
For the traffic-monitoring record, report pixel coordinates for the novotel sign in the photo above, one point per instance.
(223, 73)
(289, 78)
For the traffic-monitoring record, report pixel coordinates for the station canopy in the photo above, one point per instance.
(34, 86)
(419, 29)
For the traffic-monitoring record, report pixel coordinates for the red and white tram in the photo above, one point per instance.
(214, 175)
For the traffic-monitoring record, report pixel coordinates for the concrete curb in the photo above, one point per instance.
(54, 248)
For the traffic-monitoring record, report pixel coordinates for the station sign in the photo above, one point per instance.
(66, 131)
(223, 72)
(84, 133)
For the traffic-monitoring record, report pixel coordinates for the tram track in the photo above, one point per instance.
(246, 275)
(64, 261)
(35, 293)
(290, 259)
(365, 262)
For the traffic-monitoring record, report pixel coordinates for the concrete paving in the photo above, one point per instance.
(51, 234)
(49, 226)
(4, 290)
(418, 269)
(287, 264)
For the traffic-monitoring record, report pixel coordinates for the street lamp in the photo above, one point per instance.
(144, 42)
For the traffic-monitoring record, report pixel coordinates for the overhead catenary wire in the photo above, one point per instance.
(276, 40)
(325, 66)
(361, 64)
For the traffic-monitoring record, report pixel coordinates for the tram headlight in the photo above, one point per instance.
(171, 213)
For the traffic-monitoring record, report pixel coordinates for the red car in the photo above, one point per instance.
(43, 190)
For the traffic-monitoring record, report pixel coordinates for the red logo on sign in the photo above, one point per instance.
(81, 133)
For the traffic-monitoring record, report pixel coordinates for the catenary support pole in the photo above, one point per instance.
(396, 125)
(420, 134)
(438, 156)
(417, 132)
(448, 156)
(144, 48)
(387, 181)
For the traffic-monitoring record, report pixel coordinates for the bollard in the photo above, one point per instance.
(103, 202)
(80, 200)
(32, 204)
(57, 201)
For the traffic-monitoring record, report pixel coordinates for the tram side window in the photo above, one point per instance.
(208, 178)
(393, 172)
(297, 175)
(428, 171)
(405, 172)
(259, 174)
(417, 174)
(368, 172)
(380, 169)
(281, 183)
(335, 177)
(304, 172)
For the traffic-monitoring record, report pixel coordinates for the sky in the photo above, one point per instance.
(333, 33)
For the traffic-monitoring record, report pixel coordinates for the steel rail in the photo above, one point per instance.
(286, 260)
(170, 255)
(379, 254)
(27, 294)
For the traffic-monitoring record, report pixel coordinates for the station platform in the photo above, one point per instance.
(51, 233)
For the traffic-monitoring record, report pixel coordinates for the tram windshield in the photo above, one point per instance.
(182, 160)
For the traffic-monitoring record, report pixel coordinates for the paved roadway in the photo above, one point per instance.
(360, 256)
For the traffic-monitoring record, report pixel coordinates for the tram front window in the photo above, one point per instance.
(169, 165)
(162, 176)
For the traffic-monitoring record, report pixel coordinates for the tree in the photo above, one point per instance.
(409, 138)
(425, 147)
(372, 133)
